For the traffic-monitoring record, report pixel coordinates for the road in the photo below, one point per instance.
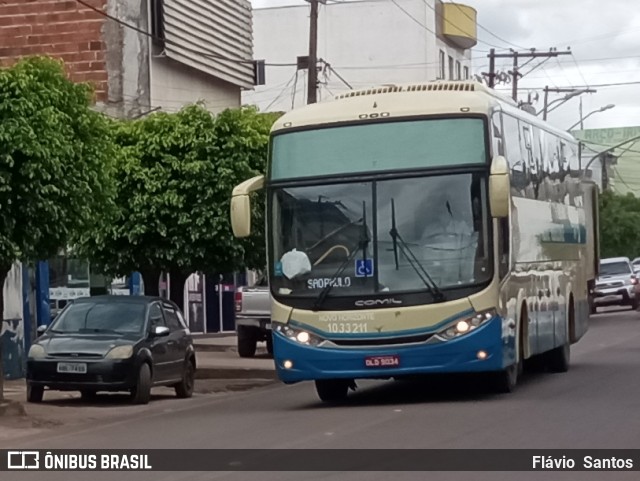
(594, 405)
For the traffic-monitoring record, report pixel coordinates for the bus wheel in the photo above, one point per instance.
(333, 390)
(505, 381)
(558, 359)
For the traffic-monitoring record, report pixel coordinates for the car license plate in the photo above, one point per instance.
(612, 298)
(72, 367)
(382, 361)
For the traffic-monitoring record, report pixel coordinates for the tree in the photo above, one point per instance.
(619, 225)
(174, 183)
(55, 163)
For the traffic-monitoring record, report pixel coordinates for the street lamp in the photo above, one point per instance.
(601, 109)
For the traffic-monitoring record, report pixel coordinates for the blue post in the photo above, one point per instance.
(135, 284)
(26, 307)
(43, 309)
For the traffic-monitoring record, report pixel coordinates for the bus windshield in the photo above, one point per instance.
(379, 147)
(442, 226)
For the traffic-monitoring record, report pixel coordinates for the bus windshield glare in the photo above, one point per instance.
(346, 232)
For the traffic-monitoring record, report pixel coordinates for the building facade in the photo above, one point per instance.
(366, 42)
(142, 55)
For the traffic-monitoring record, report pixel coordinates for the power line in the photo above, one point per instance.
(412, 17)
(169, 42)
(284, 89)
(616, 84)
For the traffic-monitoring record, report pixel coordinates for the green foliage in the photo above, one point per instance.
(55, 161)
(175, 178)
(619, 225)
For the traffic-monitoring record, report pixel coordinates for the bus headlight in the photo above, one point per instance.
(466, 325)
(296, 334)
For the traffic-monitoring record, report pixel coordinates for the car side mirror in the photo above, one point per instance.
(499, 187)
(41, 330)
(160, 331)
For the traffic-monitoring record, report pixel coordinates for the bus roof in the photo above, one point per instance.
(439, 97)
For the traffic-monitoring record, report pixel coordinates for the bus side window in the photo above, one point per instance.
(503, 247)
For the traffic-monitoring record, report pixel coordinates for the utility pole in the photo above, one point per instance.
(492, 68)
(312, 87)
(516, 56)
(571, 92)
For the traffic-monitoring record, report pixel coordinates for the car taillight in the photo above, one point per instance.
(238, 299)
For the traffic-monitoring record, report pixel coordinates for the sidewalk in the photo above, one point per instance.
(217, 358)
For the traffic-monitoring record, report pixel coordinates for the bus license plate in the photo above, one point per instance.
(382, 361)
(72, 367)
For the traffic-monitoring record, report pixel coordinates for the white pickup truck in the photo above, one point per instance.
(253, 318)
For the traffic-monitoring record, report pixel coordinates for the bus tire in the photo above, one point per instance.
(505, 381)
(332, 390)
(558, 359)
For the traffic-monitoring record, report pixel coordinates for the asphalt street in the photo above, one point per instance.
(594, 405)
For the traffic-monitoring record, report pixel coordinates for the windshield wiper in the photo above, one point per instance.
(398, 242)
(363, 243)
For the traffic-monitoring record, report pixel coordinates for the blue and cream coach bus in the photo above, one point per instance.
(429, 228)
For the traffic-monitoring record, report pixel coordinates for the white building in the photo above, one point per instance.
(366, 42)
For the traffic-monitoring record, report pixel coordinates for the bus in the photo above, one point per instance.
(427, 228)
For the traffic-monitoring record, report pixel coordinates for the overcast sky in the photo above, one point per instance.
(603, 37)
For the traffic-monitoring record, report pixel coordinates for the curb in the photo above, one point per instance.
(213, 348)
(235, 373)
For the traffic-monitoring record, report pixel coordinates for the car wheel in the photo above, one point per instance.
(88, 394)
(634, 304)
(332, 390)
(35, 394)
(247, 342)
(184, 389)
(141, 393)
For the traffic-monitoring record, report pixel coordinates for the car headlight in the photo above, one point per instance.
(296, 334)
(466, 325)
(120, 352)
(37, 352)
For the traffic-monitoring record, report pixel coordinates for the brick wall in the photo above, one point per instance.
(59, 28)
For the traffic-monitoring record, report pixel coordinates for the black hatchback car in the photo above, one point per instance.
(113, 343)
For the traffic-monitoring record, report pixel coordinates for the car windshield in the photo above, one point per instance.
(371, 237)
(614, 268)
(101, 317)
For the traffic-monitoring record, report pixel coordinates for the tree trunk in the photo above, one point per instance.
(4, 271)
(151, 278)
(176, 287)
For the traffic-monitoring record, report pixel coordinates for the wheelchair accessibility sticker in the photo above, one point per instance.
(364, 267)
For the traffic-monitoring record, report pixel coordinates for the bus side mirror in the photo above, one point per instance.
(499, 187)
(241, 206)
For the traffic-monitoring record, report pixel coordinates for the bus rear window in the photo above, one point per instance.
(614, 268)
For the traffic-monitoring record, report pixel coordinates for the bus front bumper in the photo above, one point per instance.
(463, 354)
